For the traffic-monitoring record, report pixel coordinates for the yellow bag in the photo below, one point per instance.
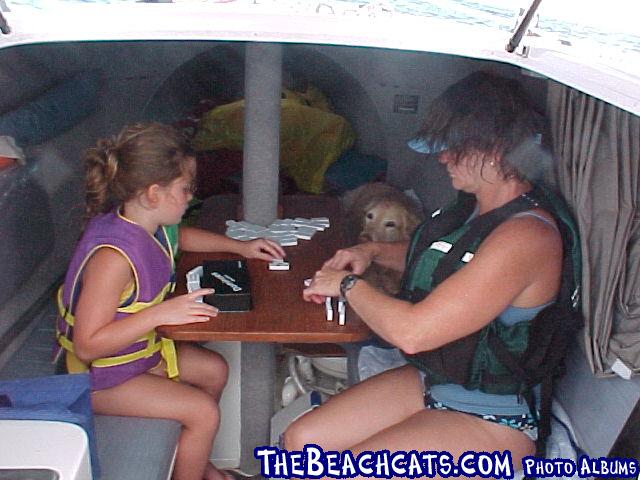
(311, 138)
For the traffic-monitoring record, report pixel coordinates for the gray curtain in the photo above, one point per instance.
(597, 148)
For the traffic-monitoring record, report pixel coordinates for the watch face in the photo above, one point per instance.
(348, 282)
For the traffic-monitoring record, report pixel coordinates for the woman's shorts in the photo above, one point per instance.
(525, 423)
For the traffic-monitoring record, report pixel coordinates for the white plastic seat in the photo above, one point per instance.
(35, 444)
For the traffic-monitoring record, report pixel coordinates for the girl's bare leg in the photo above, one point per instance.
(193, 402)
(208, 371)
(149, 395)
(202, 368)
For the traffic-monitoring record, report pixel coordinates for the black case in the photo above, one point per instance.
(230, 279)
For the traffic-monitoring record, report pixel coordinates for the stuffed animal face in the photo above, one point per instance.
(387, 221)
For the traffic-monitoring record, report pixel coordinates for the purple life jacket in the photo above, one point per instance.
(152, 261)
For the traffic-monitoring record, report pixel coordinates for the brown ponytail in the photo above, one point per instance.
(139, 156)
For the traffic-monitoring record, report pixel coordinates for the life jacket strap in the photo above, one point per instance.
(165, 346)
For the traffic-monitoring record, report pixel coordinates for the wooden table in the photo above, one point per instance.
(279, 313)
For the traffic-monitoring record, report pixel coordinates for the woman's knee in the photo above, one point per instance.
(299, 434)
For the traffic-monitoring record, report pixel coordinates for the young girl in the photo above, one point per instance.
(138, 186)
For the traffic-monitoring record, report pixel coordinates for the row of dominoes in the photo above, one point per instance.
(328, 307)
(285, 232)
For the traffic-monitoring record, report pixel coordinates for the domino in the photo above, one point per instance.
(288, 241)
(254, 229)
(328, 306)
(315, 226)
(305, 233)
(324, 221)
(278, 265)
(342, 312)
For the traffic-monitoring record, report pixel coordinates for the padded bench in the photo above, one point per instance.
(129, 448)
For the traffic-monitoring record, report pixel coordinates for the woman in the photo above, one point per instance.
(481, 126)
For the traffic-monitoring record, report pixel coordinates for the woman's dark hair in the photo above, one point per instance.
(141, 155)
(488, 114)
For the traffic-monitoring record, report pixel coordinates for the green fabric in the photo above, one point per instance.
(423, 273)
(172, 235)
(515, 337)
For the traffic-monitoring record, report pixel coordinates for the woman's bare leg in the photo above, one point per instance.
(387, 412)
(149, 395)
(360, 411)
(452, 432)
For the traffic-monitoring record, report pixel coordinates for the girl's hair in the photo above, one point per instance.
(488, 114)
(141, 155)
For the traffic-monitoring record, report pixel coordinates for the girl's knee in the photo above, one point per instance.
(216, 376)
(220, 368)
(201, 411)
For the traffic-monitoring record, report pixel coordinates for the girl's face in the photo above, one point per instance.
(175, 197)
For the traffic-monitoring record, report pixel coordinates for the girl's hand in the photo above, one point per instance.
(184, 309)
(262, 249)
(356, 258)
(325, 283)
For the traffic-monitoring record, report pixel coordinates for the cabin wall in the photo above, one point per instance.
(129, 72)
(163, 80)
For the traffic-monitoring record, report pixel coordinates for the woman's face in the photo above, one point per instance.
(465, 173)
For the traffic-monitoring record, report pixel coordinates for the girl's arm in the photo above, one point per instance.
(96, 333)
(199, 240)
(518, 264)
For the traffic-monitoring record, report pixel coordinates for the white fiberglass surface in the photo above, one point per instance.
(613, 25)
(583, 43)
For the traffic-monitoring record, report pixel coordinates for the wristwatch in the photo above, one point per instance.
(347, 284)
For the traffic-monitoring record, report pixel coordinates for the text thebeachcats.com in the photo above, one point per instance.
(314, 462)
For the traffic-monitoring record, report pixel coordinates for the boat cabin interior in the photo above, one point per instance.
(347, 113)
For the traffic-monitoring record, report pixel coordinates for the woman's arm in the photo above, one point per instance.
(199, 240)
(359, 257)
(519, 263)
(96, 333)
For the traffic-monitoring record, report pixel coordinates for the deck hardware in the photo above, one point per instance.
(521, 29)
(4, 26)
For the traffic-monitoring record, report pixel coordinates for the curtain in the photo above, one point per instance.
(597, 149)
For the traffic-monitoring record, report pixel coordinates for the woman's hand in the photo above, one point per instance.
(356, 258)
(184, 309)
(262, 249)
(325, 283)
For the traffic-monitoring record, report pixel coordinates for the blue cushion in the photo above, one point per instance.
(55, 111)
(63, 398)
(353, 169)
